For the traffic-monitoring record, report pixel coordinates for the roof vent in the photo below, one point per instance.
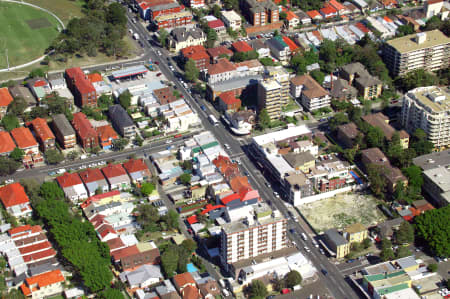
(421, 37)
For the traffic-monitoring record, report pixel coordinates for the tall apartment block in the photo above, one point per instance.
(426, 50)
(428, 108)
(249, 238)
(273, 91)
(261, 12)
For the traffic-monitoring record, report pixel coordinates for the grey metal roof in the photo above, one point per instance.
(182, 34)
(433, 160)
(235, 83)
(120, 117)
(143, 273)
(334, 236)
(63, 125)
(276, 44)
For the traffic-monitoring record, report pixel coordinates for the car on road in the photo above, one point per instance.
(292, 231)
(325, 272)
(158, 74)
(321, 251)
(307, 249)
(203, 108)
(169, 141)
(276, 194)
(246, 173)
(226, 145)
(268, 185)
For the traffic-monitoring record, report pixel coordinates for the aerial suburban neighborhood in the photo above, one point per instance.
(259, 149)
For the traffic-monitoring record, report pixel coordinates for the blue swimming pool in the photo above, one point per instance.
(191, 268)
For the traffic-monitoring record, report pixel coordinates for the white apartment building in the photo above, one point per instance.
(231, 19)
(428, 108)
(426, 50)
(248, 238)
(312, 95)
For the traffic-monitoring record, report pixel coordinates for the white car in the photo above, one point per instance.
(307, 249)
(169, 141)
(227, 146)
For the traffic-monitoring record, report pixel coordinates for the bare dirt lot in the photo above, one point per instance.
(341, 211)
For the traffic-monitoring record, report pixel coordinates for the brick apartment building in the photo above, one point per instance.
(82, 89)
(87, 135)
(261, 13)
(165, 13)
(198, 54)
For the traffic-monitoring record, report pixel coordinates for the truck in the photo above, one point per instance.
(136, 36)
(213, 120)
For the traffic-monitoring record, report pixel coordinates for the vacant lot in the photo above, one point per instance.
(25, 32)
(341, 211)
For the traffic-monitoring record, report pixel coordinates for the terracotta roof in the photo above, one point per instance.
(389, 2)
(115, 244)
(317, 34)
(230, 198)
(83, 126)
(5, 97)
(121, 253)
(195, 52)
(239, 183)
(242, 46)
(183, 279)
(164, 95)
(229, 98)
(24, 229)
(151, 256)
(223, 65)
(69, 180)
(249, 63)
(434, 1)
(6, 142)
(41, 129)
(106, 132)
(291, 15)
(191, 292)
(37, 282)
(387, 19)
(105, 230)
(12, 195)
(35, 248)
(91, 175)
(94, 77)
(217, 51)
(338, 6)
(292, 46)
(328, 10)
(32, 239)
(113, 170)
(361, 27)
(23, 137)
(135, 165)
(216, 24)
(209, 287)
(41, 255)
(313, 14)
(311, 88)
(81, 82)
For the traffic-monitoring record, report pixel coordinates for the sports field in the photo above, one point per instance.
(25, 31)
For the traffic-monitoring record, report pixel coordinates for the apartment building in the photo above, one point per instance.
(86, 133)
(312, 95)
(368, 86)
(260, 13)
(248, 238)
(381, 121)
(198, 54)
(221, 71)
(42, 133)
(279, 48)
(65, 134)
(122, 121)
(82, 89)
(231, 19)
(337, 243)
(273, 91)
(426, 50)
(428, 108)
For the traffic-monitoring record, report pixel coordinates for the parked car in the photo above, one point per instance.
(325, 272)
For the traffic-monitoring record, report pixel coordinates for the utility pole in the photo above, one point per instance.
(7, 60)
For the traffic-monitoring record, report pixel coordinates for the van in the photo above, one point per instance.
(222, 283)
(225, 292)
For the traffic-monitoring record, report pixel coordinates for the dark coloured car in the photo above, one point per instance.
(325, 272)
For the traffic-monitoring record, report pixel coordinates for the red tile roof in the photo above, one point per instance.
(217, 51)
(328, 10)
(230, 198)
(223, 65)
(191, 292)
(195, 52)
(338, 6)
(135, 165)
(183, 279)
(238, 183)
(106, 132)
(216, 24)
(6, 142)
(69, 180)
(242, 46)
(83, 126)
(41, 255)
(23, 137)
(121, 253)
(81, 82)
(37, 282)
(192, 219)
(94, 77)
(387, 19)
(313, 14)
(91, 175)
(115, 244)
(104, 195)
(41, 129)
(361, 27)
(35, 248)
(24, 230)
(210, 207)
(5, 97)
(229, 98)
(113, 170)
(291, 15)
(292, 46)
(105, 230)
(12, 195)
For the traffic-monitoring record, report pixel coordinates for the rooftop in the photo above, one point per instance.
(6, 142)
(223, 65)
(91, 175)
(311, 88)
(335, 237)
(231, 15)
(113, 170)
(13, 194)
(37, 282)
(409, 43)
(83, 126)
(382, 121)
(242, 46)
(440, 176)
(63, 124)
(433, 160)
(350, 130)
(23, 137)
(237, 226)
(41, 129)
(68, 180)
(106, 132)
(355, 228)
(217, 51)
(435, 98)
(5, 97)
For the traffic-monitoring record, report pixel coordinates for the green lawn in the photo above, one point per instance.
(25, 31)
(64, 9)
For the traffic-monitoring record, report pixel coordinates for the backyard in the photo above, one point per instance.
(342, 210)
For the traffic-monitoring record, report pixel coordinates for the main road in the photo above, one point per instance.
(334, 280)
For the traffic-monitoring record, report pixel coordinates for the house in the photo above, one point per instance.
(260, 47)
(219, 52)
(26, 142)
(165, 95)
(94, 180)
(137, 170)
(19, 91)
(328, 12)
(368, 86)
(241, 47)
(121, 121)
(341, 90)
(106, 136)
(7, 144)
(72, 186)
(341, 9)
(337, 243)
(43, 285)
(279, 49)
(5, 100)
(227, 101)
(43, 133)
(15, 200)
(312, 95)
(198, 54)
(241, 121)
(142, 277)
(142, 257)
(292, 20)
(303, 17)
(65, 134)
(221, 71)
(347, 133)
(355, 233)
(217, 25)
(381, 121)
(191, 292)
(56, 82)
(181, 281)
(314, 15)
(209, 289)
(433, 8)
(231, 19)
(87, 135)
(292, 45)
(182, 37)
(389, 4)
(39, 87)
(82, 89)
(116, 176)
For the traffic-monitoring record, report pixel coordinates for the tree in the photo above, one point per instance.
(190, 245)
(416, 78)
(72, 155)
(267, 61)
(432, 267)
(386, 250)
(171, 219)
(318, 76)
(375, 137)
(432, 229)
(51, 191)
(420, 143)
(147, 188)
(191, 71)
(283, 15)
(10, 122)
(337, 120)
(8, 166)
(36, 73)
(258, 288)
(169, 262)
(17, 107)
(185, 179)
(405, 30)
(264, 119)
(120, 143)
(162, 38)
(110, 293)
(405, 233)
(115, 14)
(105, 101)
(138, 140)
(211, 37)
(366, 243)
(125, 99)
(376, 179)
(53, 156)
(293, 278)
(414, 175)
(216, 11)
(17, 154)
(403, 251)
(187, 164)
(147, 215)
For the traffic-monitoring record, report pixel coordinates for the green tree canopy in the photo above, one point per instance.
(53, 156)
(51, 191)
(338, 119)
(185, 178)
(264, 119)
(293, 278)
(162, 38)
(120, 144)
(420, 143)
(190, 245)
(110, 293)
(8, 166)
(415, 79)
(405, 233)
(17, 107)
(191, 71)
(258, 288)
(147, 215)
(10, 122)
(125, 99)
(376, 179)
(147, 188)
(17, 154)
